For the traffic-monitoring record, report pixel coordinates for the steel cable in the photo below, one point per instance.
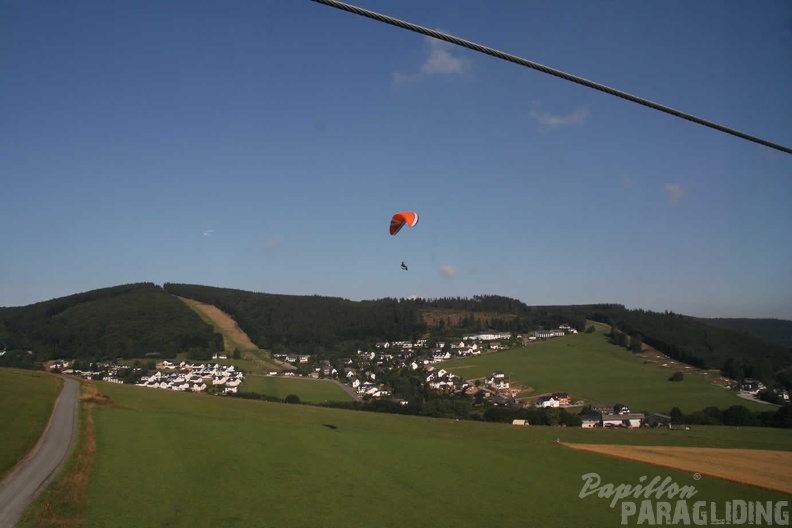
(546, 69)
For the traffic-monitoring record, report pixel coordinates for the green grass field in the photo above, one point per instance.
(26, 401)
(191, 460)
(590, 369)
(309, 390)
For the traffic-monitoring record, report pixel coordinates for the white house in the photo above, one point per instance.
(544, 334)
(547, 401)
(622, 420)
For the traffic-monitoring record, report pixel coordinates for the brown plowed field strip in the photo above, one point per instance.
(764, 469)
(229, 327)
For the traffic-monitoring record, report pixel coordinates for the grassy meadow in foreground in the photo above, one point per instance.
(26, 401)
(591, 369)
(309, 390)
(192, 460)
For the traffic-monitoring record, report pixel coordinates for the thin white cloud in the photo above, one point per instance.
(208, 232)
(576, 118)
(771, 154)
(675, 192)
(449, 271)
(441, 59)
(273, 242)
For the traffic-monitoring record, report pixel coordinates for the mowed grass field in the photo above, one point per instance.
(191, 460)
(26, 401)
(591, 369)
(309, 390)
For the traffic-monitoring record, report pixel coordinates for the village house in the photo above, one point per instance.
(440, 356)
(545, 334)
(590, 420)
(488, 336)
(497, 381)
(547, 401)
(657, 420)
(366, 355)
(608, 408)
(752, 386)
(622, 420)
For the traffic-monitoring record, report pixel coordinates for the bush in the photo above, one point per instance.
(676, 376)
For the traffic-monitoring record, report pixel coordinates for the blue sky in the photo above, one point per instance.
(264, 145)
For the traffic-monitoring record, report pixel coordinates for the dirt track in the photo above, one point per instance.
(763, 469)
(233, 336)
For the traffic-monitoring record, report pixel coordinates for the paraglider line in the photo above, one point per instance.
(546, 69)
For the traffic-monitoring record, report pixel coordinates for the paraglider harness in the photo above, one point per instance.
(404, 266)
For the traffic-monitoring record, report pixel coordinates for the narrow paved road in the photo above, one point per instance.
(30, 476)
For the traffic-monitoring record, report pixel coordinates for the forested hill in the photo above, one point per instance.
(138, 319)
(122, 321)
(776, 331)
(315, 324)
(306, 324)
(329, 325)
(700, 344)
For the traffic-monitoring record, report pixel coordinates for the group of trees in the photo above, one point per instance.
(736, 415)
(329, 326)
(123, 321)
(738, 355)
(307, 324)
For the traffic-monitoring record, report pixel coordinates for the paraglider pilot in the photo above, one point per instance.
(399, 220)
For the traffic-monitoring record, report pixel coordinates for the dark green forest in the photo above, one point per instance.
(775, 331)
(308, 324)
(318, 325)
(118, 322)
(736, 354)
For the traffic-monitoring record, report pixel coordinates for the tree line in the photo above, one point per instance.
(737, 355)
(736, 415)
(125, 321)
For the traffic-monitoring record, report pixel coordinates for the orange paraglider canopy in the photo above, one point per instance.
(399, 220)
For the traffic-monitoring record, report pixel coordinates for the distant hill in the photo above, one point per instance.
(778, 331)
(122, 321)
(315, 324)
(138, 319)
(700, 344)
